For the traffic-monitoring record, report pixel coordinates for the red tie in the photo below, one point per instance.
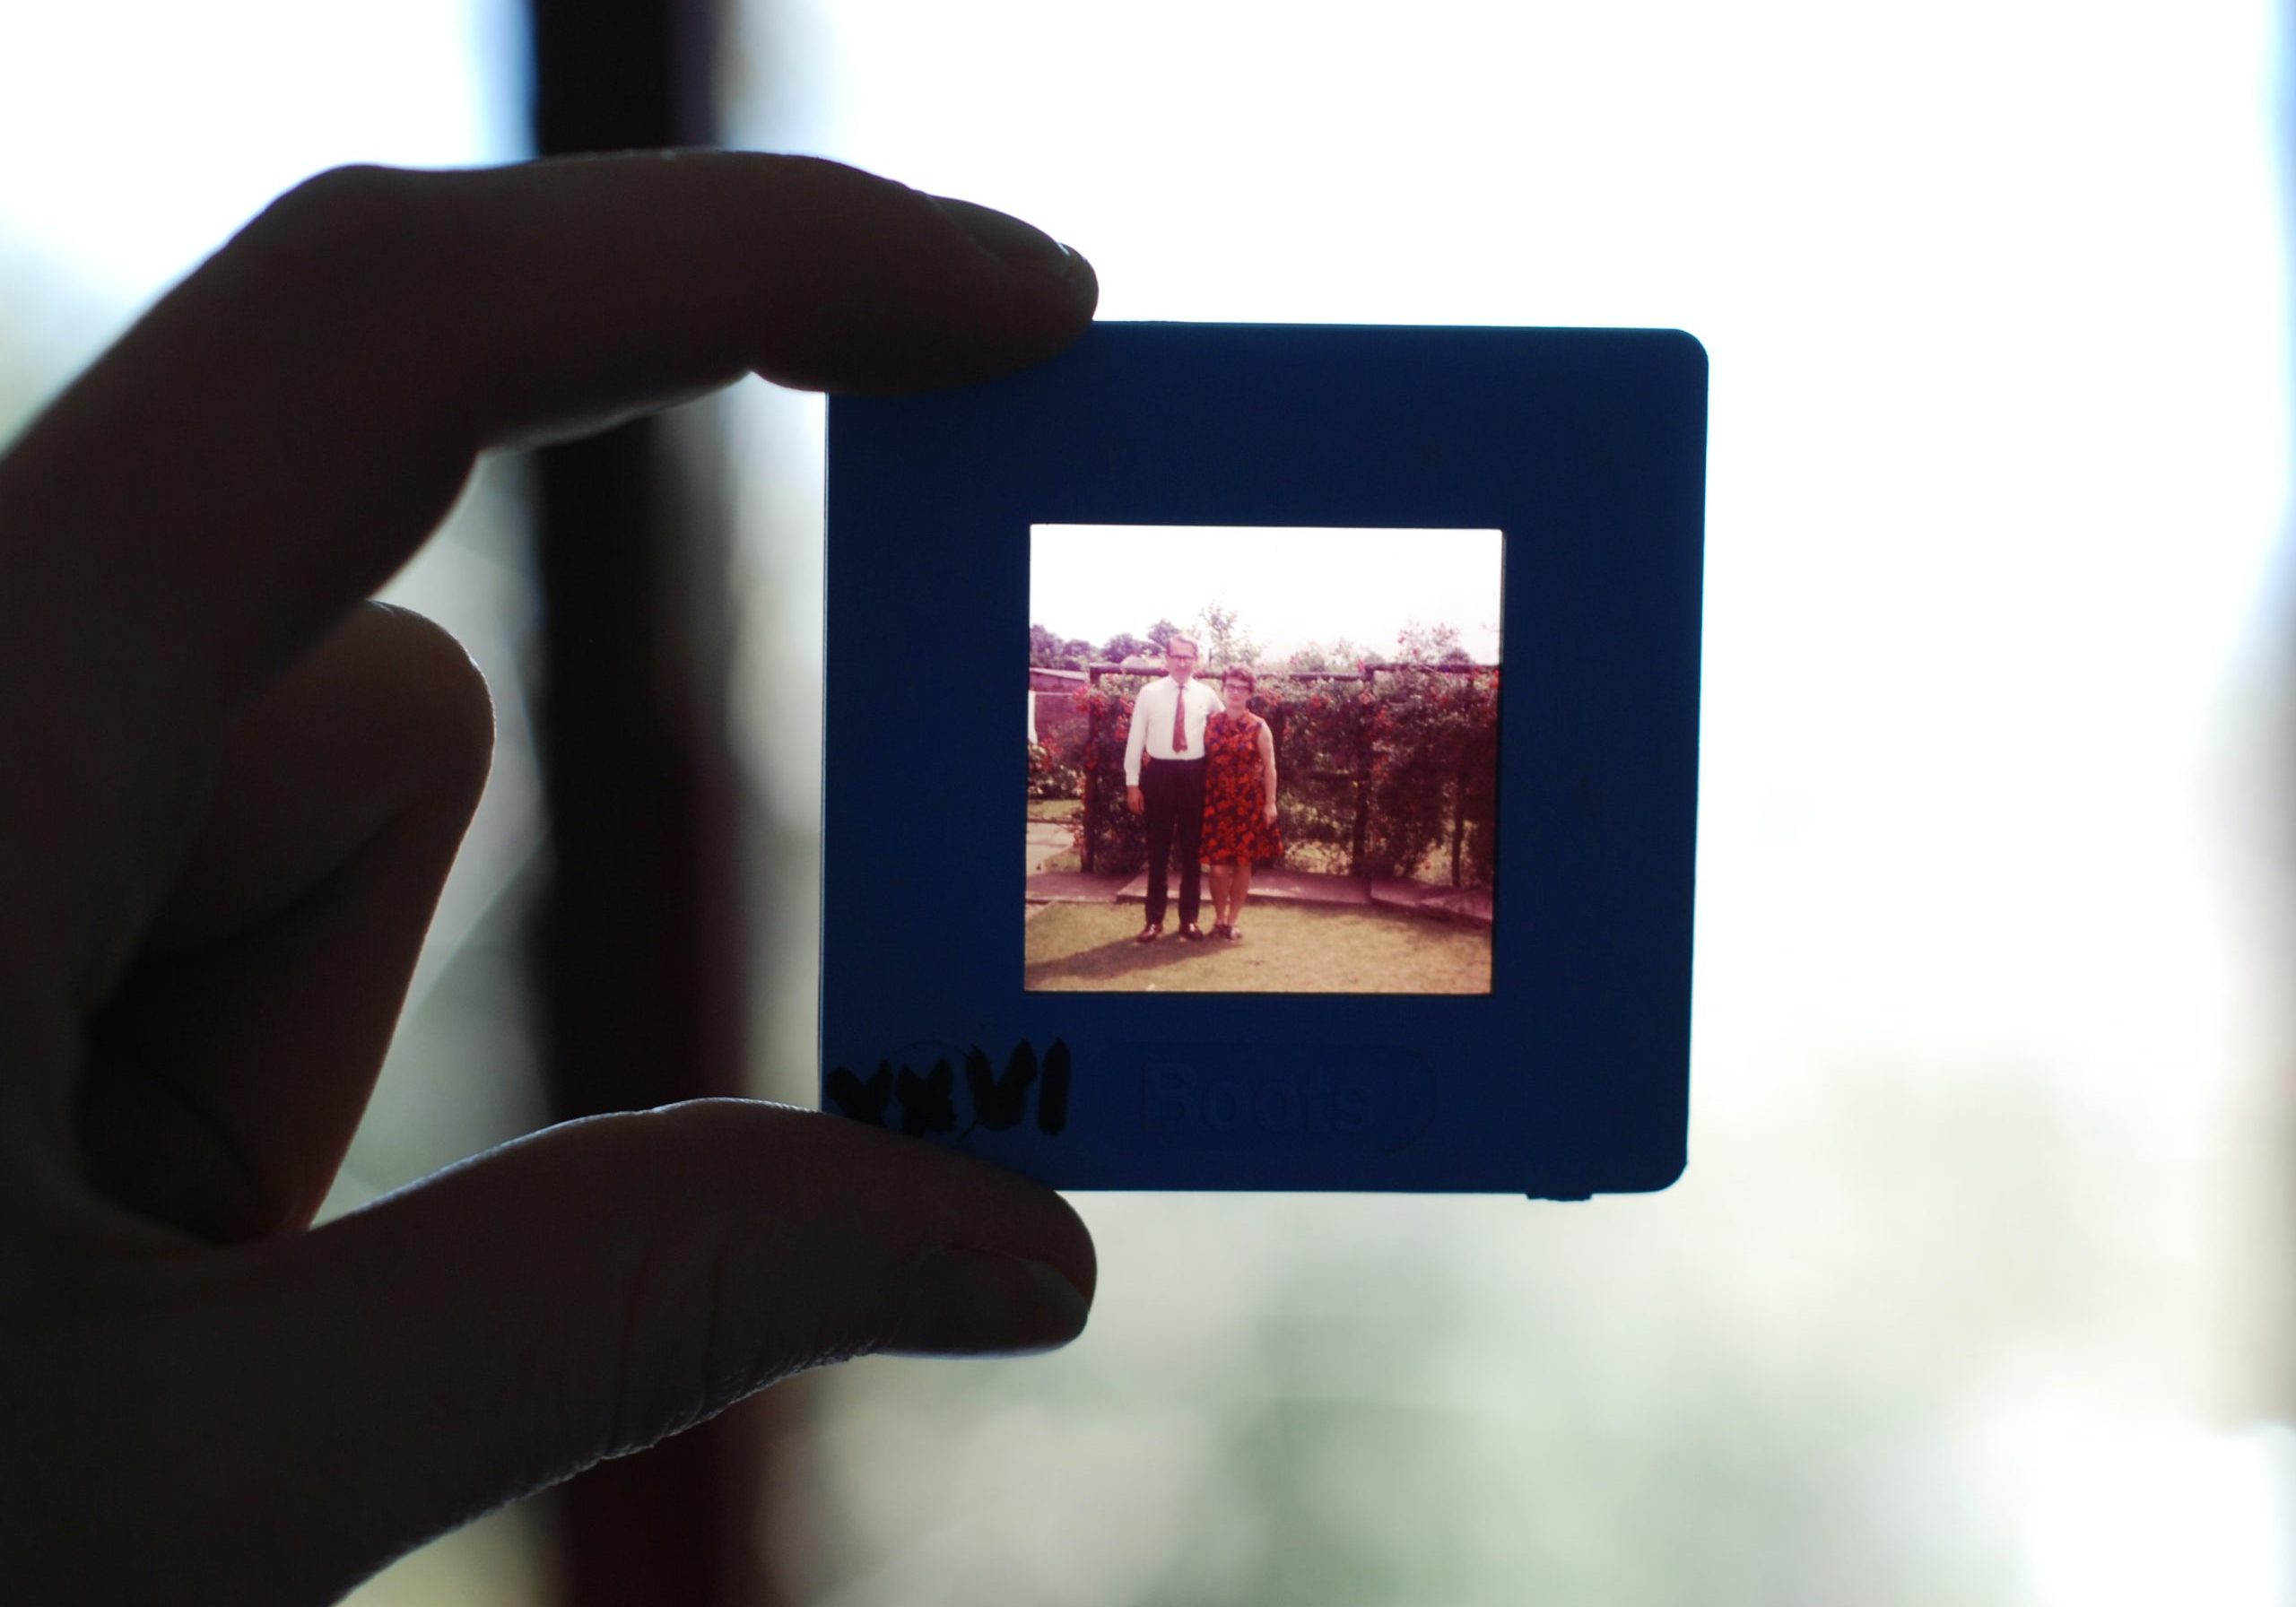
(1179, 719)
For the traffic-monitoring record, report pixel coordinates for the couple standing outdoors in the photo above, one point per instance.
(1205, 779)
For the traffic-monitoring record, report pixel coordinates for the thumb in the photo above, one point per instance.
(593, 1288)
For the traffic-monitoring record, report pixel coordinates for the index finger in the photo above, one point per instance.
(273, 440)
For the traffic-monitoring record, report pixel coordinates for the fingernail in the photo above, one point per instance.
(1022, 245)
(964, 1302)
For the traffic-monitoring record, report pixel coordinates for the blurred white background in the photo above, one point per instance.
(1978, 1287)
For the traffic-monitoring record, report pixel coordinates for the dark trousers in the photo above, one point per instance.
(1171, 795)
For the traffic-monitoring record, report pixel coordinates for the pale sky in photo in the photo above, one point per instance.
(1291, 586)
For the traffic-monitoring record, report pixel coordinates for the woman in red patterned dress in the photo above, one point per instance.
(1239, 800)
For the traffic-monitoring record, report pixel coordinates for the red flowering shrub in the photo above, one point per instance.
(1120, 839)
(1320, 730)
(1434, 771)
(1054, 771)
(1417, 750)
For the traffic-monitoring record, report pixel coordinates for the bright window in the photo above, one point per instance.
(1974, 1289)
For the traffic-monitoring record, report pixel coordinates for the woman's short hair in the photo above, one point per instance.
(1237, 671)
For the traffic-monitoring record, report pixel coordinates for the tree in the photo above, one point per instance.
(1339, 654)
(1161, 632)
(1429, 644)
(1124, 645)
(1047, 651)
(1223, 637)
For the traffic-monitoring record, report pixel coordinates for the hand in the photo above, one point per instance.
(1132, 797)
(1268, 814)
(230, 791)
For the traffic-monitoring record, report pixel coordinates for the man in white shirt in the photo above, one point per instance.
(1168, 721)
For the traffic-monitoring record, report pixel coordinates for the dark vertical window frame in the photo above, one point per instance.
(637, 941)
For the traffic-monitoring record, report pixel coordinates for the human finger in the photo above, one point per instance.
(575, 1296)
(226, 1075)
(276, 436)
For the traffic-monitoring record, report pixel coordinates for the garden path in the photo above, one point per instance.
(1045, 840)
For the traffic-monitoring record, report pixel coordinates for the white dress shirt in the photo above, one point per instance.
(1152, 723)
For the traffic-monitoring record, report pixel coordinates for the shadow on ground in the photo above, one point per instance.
(1291, 947)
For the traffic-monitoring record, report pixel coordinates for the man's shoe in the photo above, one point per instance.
(1150, 933)
(1192, 932)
